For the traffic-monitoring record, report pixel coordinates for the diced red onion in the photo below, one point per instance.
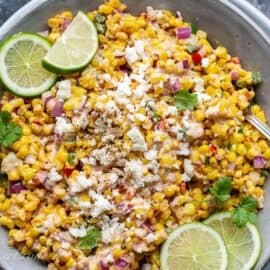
(46, 97)
(176, 85)
(148, 225)
(185, 64)
(231, 166)
(234, 75)
(65, 25)
(121, 263)
(15, 187)
(58, 109)
(259, 162)
(103, 266)
(50, 104)
(183, 32)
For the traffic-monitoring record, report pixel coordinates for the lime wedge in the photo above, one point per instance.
(243, 245)
(194, 246)
(76, 47)
(21, 68)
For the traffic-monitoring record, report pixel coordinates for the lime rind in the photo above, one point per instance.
(10, 85)
(73, 52)
(204, 229)
(252, 260)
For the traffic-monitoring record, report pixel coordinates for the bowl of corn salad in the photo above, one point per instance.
(113, 158)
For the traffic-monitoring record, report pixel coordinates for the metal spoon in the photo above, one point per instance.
(258, 124)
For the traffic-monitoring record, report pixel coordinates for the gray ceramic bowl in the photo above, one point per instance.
(233, 23)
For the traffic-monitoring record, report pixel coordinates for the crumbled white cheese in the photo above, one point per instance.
(186, 177)
(131, 55)
(188, 167)
(54, 176)
(10, 162)
(64, 89)
(30, 159)
(85, 204)
(151, 154)
(137, 139)
(111, 229)
(151, 237)
(212, 111)
(63, 126)
(82, 183)
(194, 129)
(139, 46)
(205, 62)
(130, 107)
(184, 149)
(81, 121)
(111, 107)
(78, 232)
(51, 221)
(134, 168)
(199, 84)
(107, 138)
(103, 156)
(123, 91)
(171, 110)
(203, 97)
(139, 116)
(113, 177)
(140, 90)
(101, 204)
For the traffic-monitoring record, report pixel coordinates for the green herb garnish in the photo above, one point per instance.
(263, 173)
(244, 213)
(91, 240)
(9, 131)
(257, 78)
(100, 23)
(72, 200)
(222, 189)
(191, 48)
(71, 158)
(194, 27)
(185, 100)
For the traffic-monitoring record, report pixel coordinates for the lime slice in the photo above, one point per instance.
(194, 246)
(76, 47)
(243, 245)
(21, 68)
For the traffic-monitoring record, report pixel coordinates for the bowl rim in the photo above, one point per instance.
(253, 16)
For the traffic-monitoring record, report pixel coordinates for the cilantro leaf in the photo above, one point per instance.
(100, 18)
(249, 203)
(244, 213)
(257, 78)
(91, 239)
(71, 158)
(9, 131)
(185, 100)
(4, 117)
(194, 27)
(222, 189)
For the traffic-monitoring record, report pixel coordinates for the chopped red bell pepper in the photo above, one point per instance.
(197, 58)
(213, 149)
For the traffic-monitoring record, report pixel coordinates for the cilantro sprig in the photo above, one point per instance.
(184, 100)
(244, 213)
(100, 20)
(91, 239)
(9, 131)
(222, 189)
(71, 158)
